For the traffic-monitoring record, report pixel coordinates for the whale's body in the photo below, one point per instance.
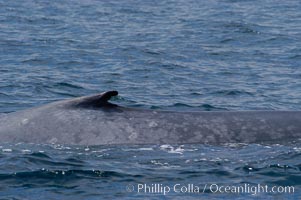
(92, 120)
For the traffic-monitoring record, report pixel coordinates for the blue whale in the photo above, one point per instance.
(93, 120)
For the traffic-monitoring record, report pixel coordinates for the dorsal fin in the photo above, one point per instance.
(99, 100)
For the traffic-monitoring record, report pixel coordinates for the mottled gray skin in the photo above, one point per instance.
(93, 121)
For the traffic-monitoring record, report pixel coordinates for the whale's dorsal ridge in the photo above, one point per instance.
(95, 101)
(106, 96)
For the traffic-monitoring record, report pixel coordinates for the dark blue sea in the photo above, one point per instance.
(183, 55)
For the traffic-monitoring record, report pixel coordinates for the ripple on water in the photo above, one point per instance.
(107, 167)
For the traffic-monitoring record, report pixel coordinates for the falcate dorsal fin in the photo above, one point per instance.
(95, 101)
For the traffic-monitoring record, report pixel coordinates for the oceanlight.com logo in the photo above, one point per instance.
(157, 188)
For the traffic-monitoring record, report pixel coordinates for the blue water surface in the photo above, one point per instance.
(171, 55)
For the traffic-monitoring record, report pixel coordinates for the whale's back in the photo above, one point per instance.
(92, 120)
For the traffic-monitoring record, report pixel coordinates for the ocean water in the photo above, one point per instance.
(169, 55)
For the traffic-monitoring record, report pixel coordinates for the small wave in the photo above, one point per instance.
(186, 107)
(69, 85)
(69, 63)
(233, 92)
(7, 150)
(268, 170)
(171, 149)
(209, 107)
(34, 61)
(40, 155)
(297, 56)
(63, 89)
(241, 27)
(2, 94)
(59, 175)
(152, 52)
(181, 105)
